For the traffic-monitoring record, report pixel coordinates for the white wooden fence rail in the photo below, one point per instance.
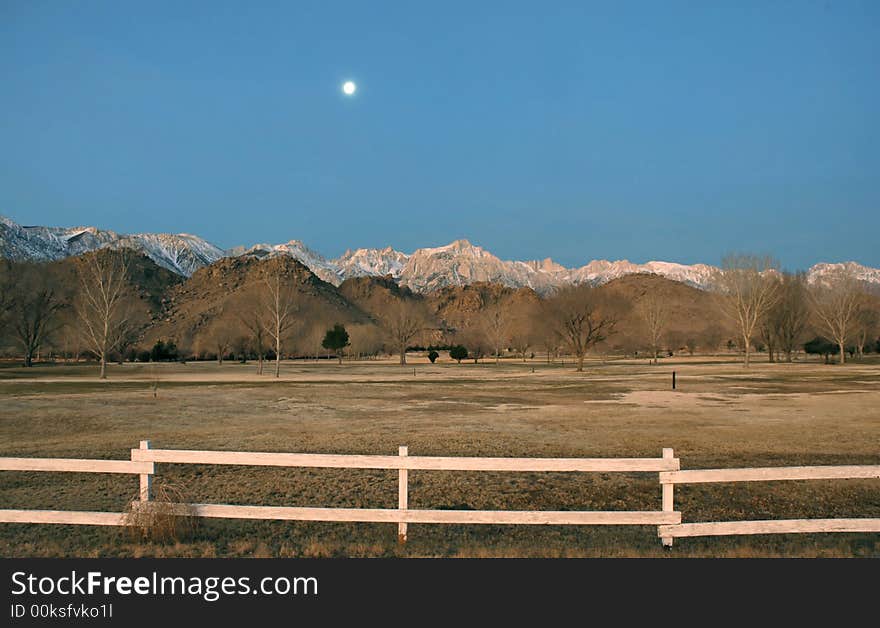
(668, 520)
(764, 474)
(403, 463)
(74, 465)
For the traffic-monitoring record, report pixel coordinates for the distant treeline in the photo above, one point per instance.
(114, 306)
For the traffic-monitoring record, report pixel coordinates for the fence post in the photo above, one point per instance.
(146, 478)
(402, 495)
(668, 496)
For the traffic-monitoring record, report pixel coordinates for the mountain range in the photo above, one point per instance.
(456, 264)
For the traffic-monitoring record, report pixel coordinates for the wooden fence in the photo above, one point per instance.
(773, 526)
(668, 520)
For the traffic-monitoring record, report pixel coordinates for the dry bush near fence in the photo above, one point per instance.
(166, 517)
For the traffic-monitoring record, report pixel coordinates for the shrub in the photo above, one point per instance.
(433, 355)
(458, 353)
(167, 517)
(336, 339)
(163, 352)
(820, 346)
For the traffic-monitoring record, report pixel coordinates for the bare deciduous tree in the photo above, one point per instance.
(71, 340)
(31, 308)
(653, 311)
(128, 338)
(497, 327)
(6, 290)
(521, 341)
(522, 329)
(255, 324)
(583, 317)
(278, 308)
(547, 331)
(402, 323)
(241, 348)
(313, 340)
(767, 329)
(365, 340)
(100, 307)
(220, 339)
(747, 287)
(837, 299)
(767, 338)
(866, 328)
(711, 337)
(790, 314)
(675, 340)
(472, 335)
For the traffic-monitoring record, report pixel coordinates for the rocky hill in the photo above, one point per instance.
(691, 314)
(221, 298)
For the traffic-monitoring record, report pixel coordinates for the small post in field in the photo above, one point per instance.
(673, 380)
(146, 478)
(402, 495)
(668, 496)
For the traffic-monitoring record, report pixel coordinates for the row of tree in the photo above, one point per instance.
(30, 305)
(778, 308)
(773, 309)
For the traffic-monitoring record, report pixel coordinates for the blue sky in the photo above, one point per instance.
(643, 130)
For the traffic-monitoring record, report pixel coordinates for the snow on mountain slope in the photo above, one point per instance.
(297, 250)
(455, 264)
(17, 244)
(179, 253)
(819, 271)
(371, 262)
(601, 271)
(461, 263)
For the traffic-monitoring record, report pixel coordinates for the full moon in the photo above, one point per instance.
(349, 88)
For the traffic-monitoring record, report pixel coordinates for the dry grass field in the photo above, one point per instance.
(721, 415)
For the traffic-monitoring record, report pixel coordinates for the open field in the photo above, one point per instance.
(721, 415)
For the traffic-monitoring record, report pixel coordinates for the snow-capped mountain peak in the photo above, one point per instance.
(820, 271)
(182, 253)
(371, 262)
(455, 264)
(298, 251)
(179, 253)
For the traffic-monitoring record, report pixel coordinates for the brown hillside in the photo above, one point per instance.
(693, 314)
(215, 299)
(143, 298)
(375, 294)
(148, 282)
(196, 312)
(455, 304)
